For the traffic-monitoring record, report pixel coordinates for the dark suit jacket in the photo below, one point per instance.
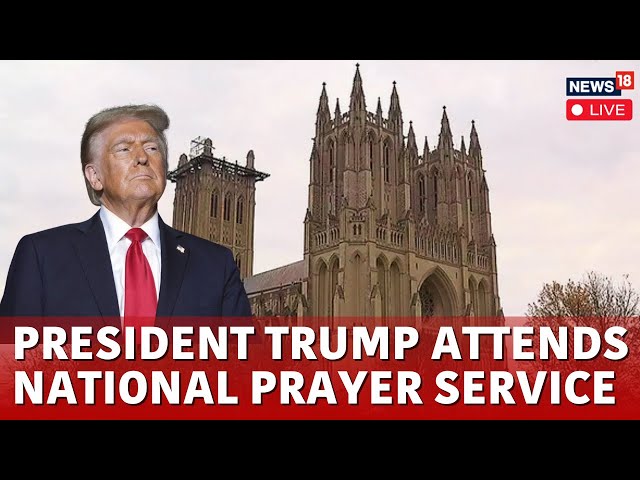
(66, 271)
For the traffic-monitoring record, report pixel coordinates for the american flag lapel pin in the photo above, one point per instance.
(180, 248)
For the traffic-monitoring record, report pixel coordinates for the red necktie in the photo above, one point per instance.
(140, 299)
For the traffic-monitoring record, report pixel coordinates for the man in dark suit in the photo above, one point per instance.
(124, 264)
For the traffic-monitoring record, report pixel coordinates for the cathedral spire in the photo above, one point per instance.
(323, 108)
(412, 146)
(411, 138)
(446, 138)
(474, 144)
(463, 148)
(338, 114)
(379, 111)
(357, 93)
(395, 112)
(425, 153)
(394, 107)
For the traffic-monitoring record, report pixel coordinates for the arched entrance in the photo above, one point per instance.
(437, 296)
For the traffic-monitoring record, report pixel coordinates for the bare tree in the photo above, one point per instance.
(595, 301)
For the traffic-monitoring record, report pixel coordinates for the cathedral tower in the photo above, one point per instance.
(390, 232)
(215, 200)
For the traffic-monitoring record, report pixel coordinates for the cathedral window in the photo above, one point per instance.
(422, 193)
(371, 141)
(188, 212)
(213, 208)
(184, 212)
(239, 210)
(227, 207)
(331, 163)
(386, 162)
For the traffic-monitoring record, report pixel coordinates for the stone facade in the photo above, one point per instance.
(389, 232)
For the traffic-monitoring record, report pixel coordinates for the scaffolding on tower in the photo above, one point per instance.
(201, 154)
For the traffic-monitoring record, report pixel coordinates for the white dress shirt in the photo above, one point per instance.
(115, 229)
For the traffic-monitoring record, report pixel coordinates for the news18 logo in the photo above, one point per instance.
(610, 108)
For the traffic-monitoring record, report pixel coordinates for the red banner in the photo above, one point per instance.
(292, 368)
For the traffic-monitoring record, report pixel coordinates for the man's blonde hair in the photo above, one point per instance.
(152, 114)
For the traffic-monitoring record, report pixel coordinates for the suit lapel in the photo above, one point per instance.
(93, 254)
(174, 262)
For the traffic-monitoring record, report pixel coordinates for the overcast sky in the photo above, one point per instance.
(564, 195)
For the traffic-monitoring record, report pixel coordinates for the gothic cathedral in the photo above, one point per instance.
(388, 232)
